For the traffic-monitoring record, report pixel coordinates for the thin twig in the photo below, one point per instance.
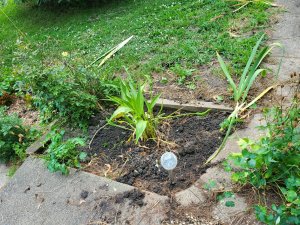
(91, 141)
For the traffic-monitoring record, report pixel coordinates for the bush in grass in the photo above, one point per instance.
(59, 92)
(274, 162)
(68, 91)
(13, 137)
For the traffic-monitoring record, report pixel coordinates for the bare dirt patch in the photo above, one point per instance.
(208, 84)
(28, 115)
(192, 139)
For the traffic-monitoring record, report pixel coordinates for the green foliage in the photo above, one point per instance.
(132, 113)
(59, 92)
(182, 73)
(14, 138)
(274, 161)
(63, 154)
(240, 90)
(224, 196)
(186, 29)
(250, 72)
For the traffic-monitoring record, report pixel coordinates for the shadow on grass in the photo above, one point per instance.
(48, 15)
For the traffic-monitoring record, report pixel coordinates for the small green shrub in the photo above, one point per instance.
(62, 154)
(57, 92)
(274, 162)
(13, 137)
(132, 114)
(135, 112)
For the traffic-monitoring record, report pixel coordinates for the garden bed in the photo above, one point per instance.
(193, 139)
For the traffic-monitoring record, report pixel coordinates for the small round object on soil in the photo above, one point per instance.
(168, 161)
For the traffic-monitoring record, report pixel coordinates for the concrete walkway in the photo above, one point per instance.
(34, 196)
(3, 175)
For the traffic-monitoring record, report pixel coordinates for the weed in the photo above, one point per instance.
(12, 170)
(250, 72)
(61, 155)
(211, 184)
(182, 73)
(13, 137)
(223, 197)
(274, 162)
(58, 92)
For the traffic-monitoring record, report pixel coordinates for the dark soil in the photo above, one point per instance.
(192, 139)
(135, 197)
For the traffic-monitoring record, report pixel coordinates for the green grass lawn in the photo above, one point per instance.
(182, 34)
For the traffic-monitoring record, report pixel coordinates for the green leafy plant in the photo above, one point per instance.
(61, 155)
(182, 73)
(274, 162)
(250, 73)
(210, 185)
(135, 112)
(13, 137)
(240, 90)
(57, 92)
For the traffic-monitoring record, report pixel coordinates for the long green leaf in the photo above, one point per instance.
(140, 101)
(250, 60)
(151, 104)
(120, 112)
(227, 74)
(140, 129)
(250, 82)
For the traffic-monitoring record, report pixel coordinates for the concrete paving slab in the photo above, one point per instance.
(3, 175)
(250, 131)
(292, 6)
(190, 196)
(219, 176)
(291, 48)
(36, 196)
(288, 66)
(225, 214)
(288, 27)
